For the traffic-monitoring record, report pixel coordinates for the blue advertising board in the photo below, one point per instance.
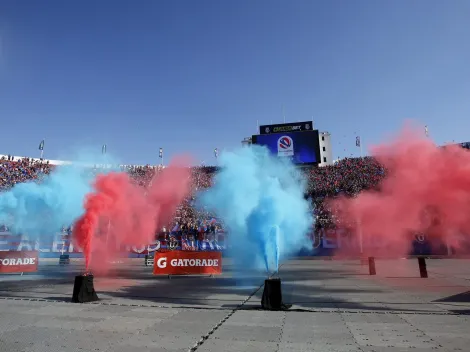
(323, 243)
(55, 244)
(300, 147)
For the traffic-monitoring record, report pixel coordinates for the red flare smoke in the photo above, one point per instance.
(120, 211)
(427, 190)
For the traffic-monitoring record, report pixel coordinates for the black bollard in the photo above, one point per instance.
(84, 289)
(423, 271)
(372, 266)
(272, 295)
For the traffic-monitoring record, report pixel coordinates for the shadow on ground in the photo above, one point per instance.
(463, 297)
(306, 287)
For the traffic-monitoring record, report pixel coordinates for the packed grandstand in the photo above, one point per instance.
(195, 229)
(348, 176)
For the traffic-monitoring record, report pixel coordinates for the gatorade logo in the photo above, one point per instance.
(161, 263)
(18, 261)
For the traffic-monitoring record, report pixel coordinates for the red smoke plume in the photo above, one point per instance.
(120, 212)
(426, 190)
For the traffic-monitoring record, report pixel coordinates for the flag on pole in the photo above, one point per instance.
(41, 145)
(426, 132)
(160, 154)
(358, 141)
(103, 149)
(216, 152)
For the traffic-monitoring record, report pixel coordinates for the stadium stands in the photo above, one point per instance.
(348, 176)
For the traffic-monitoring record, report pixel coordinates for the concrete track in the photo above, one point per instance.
(336, 307)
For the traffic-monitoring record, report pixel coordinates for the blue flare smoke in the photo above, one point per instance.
(40, 209)
(260, 199)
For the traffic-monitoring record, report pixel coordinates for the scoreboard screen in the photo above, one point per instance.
(300, 147)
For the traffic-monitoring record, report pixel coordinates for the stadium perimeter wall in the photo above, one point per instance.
(323, 243)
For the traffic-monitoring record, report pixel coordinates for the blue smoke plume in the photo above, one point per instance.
(260, 199)
(41, 209)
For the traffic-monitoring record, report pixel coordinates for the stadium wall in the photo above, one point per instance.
(324, 243)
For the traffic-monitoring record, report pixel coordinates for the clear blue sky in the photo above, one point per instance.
(190, 76)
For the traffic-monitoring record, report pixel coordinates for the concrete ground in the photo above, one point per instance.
(337, 307)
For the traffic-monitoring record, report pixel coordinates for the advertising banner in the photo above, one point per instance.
(286, 127)
(18, 262)
(327, 242)
(56, 244)
(324, 242)
(187, 263)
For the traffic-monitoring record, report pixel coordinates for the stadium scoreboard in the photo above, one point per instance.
(286, 127)
(297, 141)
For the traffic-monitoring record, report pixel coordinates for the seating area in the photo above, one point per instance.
(348, 176)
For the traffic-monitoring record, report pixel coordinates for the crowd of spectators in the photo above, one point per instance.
(348, 176)
(26, 169)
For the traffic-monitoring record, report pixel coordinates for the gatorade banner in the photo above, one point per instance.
(187, 263)
(18, 262)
